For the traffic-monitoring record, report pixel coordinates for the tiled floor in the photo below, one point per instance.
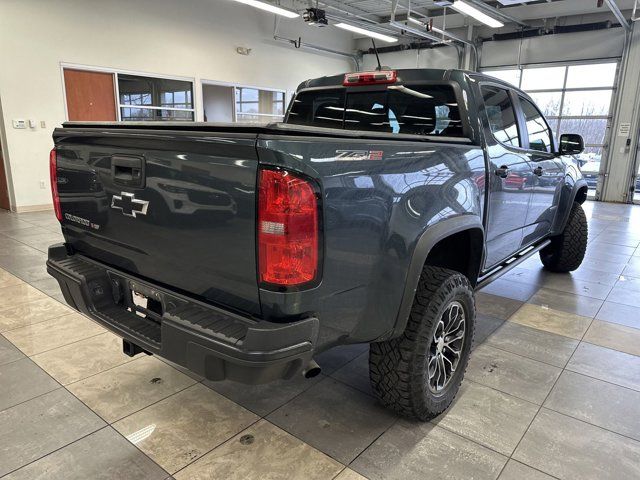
(552, 389)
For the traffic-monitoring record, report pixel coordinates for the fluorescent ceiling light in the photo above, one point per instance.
(416, 21)
(472, 11)
(268, 7)
(368, 33)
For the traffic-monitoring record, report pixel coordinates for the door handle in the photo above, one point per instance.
(538, 171)
(502, 172)
(128, 171)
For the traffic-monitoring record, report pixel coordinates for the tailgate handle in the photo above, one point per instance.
(128, 171)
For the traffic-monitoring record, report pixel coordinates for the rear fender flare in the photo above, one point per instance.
(425, 244)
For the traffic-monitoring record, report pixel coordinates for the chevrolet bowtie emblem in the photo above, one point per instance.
(129, 204)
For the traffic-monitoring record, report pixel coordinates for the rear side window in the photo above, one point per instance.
(426, 110)
(319, 108)
(501, 114)
(537, 128)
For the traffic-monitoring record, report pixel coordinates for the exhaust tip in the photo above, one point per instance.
(311, 370)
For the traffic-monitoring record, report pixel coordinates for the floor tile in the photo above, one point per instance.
(595, 276)
(259, 452)
(533, 275)
(570, 449)
(183, 427)
(8, 352)
(485, 326)
(600, 254)
(348, 474)
(23, 380)
(263, 399)
(103, 455)
(533, 343)
(44, 336)
(334, 418)
(567, 302)
(32, 312)
(554, 321)
(518, 471)
(8, 280)
(614, 336)
(598, 403)
(82, 359)
(16, 294)
(624, 296)
(604, 266)
(419, 451)
(512, 290)
(488, 417)
(356, 374)
(606, 364)
(519, 376)
(495, 306)
(36, 428)
(566, 283)
(337, 357)
(621, 314)
(50, 286)
(123, 390)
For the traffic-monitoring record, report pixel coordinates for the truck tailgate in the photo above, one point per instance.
(177, 207)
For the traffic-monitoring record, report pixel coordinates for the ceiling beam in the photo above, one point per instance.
(618, 14)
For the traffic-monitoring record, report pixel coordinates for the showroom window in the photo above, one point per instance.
(149, 98)
(258, 106)
(574, 99)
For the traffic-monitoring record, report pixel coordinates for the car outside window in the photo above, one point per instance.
(537, 128)
(501, 114)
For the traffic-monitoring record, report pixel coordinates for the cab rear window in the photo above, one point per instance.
(423, 110)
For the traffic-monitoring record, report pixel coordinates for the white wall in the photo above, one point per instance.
(189, 38)
(444, 57)
(218, 103)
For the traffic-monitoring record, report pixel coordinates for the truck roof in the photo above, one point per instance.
(404, 75)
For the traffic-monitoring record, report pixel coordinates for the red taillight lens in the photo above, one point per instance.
(53, 175)
(288, 233)
(370, 78)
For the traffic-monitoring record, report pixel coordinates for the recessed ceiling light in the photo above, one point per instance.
(467, 9)
(368, 33)
(268, 7)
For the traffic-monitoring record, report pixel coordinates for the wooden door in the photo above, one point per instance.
(90, 95)
(4, 186)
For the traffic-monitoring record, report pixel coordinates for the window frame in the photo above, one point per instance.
(115, 72)
(120, 105)
(273, 116)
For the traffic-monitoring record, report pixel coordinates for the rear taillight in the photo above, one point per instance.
(288, 231)
(370, 78)
(53, 175)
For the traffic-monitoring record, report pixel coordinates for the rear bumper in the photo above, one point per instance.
(209, 341)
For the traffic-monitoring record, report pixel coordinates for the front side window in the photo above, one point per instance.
(537, 128)
(501, 115)
(148, 98)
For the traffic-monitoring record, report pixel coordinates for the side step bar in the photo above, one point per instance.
(509, 264)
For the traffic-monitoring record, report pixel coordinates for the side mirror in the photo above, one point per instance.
(571, 144)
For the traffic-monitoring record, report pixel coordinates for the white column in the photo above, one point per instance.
(625, 126)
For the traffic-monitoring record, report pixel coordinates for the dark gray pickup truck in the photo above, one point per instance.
(371, 215)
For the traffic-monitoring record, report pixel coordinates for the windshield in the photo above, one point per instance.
(420, 110)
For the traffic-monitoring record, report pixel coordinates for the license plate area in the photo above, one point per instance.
(146, 302)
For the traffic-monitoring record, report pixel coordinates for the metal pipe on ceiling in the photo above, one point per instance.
(309, 46)
(618, 14)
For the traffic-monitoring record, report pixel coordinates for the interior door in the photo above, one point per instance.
(548, 172)
(4, 186)
(510, 177)
(90, 95)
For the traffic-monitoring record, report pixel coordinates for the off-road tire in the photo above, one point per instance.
(566, 251)
(398, 368)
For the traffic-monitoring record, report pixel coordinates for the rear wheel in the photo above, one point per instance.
(418, 374)
(566, 251)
